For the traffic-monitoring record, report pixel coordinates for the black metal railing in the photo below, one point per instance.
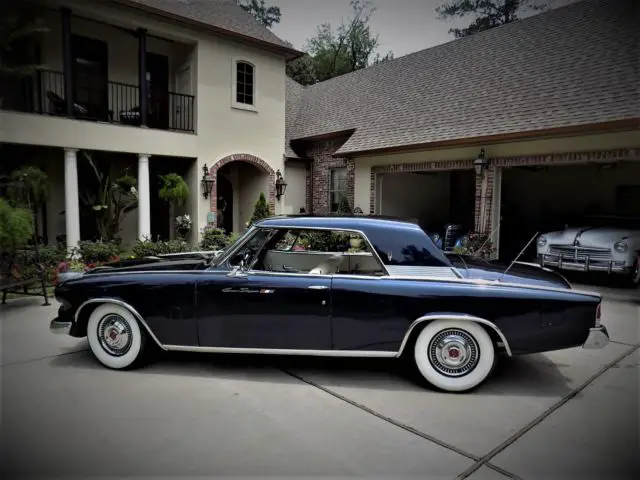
(116, 102)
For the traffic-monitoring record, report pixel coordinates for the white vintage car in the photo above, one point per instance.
(601, 244)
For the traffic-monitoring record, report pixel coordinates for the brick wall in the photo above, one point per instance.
(319, 173)
(253, 160)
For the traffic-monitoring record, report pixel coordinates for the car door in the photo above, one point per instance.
(264, 310)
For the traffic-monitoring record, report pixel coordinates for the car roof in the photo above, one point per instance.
(348, 222)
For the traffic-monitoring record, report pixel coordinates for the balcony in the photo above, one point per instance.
(105, 101)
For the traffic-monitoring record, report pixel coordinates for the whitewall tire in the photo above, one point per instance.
(115, 337)
(454, 355)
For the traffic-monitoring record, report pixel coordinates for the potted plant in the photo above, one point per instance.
(175, 191)
(183, 225)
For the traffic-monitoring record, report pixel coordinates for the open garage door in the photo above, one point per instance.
(546, 198)
(433, 199)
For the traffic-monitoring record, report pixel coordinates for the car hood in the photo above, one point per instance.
(589, 236)
(521, 273)
(148, 264)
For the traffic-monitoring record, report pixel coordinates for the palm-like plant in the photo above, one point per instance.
(110, 201)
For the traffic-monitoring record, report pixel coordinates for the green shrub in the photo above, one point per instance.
(174, 189)
(16, 226)
(148, 248)
(52, 255)
(261, 210)
(216, 239)
(98, 252)
(476, 245)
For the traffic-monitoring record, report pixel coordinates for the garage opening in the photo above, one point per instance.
(546, 198)
(433, 199)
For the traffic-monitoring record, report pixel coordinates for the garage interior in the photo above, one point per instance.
(433, 199)
(546, 198)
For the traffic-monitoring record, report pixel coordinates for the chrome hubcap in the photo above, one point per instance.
(453, 353)
(115, 335)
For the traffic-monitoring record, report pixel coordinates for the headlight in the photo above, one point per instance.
(542, 241)
(620, 247)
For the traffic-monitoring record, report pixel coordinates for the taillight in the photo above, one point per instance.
(598, 314)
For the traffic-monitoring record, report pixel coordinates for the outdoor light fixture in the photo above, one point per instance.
(206, 182)
(281, 185)
(480, 163)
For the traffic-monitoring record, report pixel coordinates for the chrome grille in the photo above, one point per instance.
(570, 252)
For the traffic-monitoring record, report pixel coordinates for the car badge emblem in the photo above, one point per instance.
(576, 243)
(389, 256)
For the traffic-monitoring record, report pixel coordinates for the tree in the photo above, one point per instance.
(302, 69)
(261, 209)
(265, 15)
(333, 52)
(348, 48)
(488, 13)
(16, 227)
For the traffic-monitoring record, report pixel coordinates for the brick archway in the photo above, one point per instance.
(253, 160)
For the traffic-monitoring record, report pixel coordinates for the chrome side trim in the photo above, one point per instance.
(282, 351)
(467, 281)
(466, 318)
(133, 311)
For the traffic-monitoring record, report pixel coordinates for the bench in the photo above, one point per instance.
(18, 272)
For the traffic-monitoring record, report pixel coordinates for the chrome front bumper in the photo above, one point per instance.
(588, 265)
(598, 338)
(60, 328)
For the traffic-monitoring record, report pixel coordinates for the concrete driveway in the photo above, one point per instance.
(568, 414)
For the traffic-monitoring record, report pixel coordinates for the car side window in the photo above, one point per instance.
(324, 252)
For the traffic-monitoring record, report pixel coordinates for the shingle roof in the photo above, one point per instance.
(293, 94)
(572, 66)
(220, 14)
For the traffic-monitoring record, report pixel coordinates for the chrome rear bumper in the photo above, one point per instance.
(60, 328)
(598, 338)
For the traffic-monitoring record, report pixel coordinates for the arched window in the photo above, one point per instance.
(245, 83)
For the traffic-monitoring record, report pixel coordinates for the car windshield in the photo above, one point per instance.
(630, 223)
(241, 238)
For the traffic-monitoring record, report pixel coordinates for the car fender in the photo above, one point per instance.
(452, 316)
(116, 301)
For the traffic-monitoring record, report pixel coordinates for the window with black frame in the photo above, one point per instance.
(244, 83)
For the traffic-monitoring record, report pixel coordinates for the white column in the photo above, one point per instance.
(71, 200)
(144, 202)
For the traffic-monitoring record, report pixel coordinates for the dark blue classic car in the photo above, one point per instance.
(331, 286)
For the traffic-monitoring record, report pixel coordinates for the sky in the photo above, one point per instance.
(402, 26)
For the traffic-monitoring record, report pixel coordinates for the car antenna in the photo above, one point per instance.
(518, 256)
(489, 237)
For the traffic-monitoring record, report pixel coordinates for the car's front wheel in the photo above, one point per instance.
(115, 337)
(454, 355)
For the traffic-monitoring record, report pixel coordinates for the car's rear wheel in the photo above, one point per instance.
(454, 355)
(115, 337)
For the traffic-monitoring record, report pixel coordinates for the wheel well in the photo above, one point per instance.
(83, 318)
(493, 335)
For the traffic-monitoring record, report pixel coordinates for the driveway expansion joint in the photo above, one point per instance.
(484, 461)
(398, 424)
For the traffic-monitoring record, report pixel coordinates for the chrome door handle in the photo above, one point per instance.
(317, 287)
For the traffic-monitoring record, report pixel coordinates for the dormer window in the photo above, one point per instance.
(245, 83)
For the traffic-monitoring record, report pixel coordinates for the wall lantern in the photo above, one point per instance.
(480, 163)
(206, 182)
(281, 185)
